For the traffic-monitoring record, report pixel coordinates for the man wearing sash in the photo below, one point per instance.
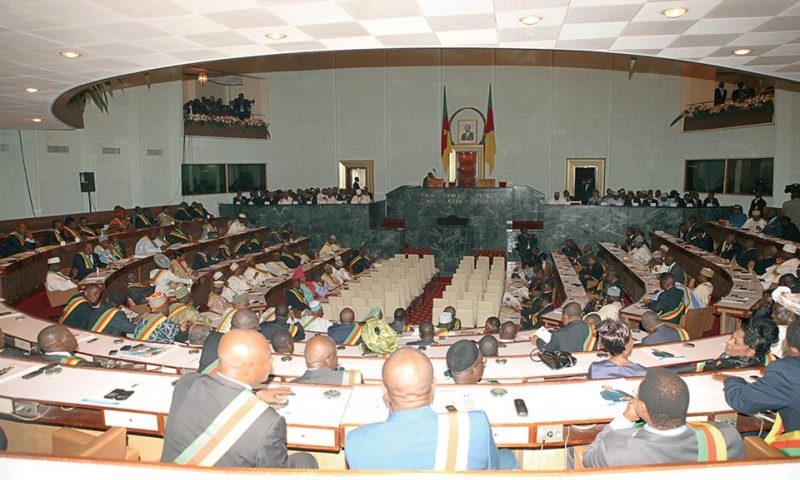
(280, 322)
(176, 235)
(105, 253)
(661, 402)
(58, 345)
(156, 326)
(238, 226)
(491, 326)
(54, 236)
(147, 244)
(216, 302)
(330, 248)
(164, 218)
(658, 332)
(295, 297)
(242, 319)
(201, 259)
(140, 220)
(179, 266)
(399, 323)
(20, 240)
(182, 213)
(84, 228)
(447, 322)
(85, 262)
(360, 262)
(182, 311)
(426, 335)
(163, 279)
(669, 305)
(55, 280)
(569, 338)
(322, 363)
(209, 230)
(421, 438)
(110, 317)
(313, 320)
(346, 332)
(233, 426)
(70, 232)
(776, 390)
(80, 307)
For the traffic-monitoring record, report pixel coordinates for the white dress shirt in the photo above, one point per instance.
(146, 247)
(236, 228)
(703, 293)
(163, 281)
(58, 282)
(754, 225)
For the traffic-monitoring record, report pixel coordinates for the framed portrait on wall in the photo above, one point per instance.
(468, 131)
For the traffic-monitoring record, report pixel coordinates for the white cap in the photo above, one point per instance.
(788, 248)
(234, 266)
(156, 300)
(217, 275)
(219, 283)
(358, 191)
(706, 272)
(445, 317)
(242, 215)
(53, 260)
(314, 306)
(102, 238)
(664, 247)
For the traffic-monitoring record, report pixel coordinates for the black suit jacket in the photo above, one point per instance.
(569, 338)
(777, 390)
(209, 353)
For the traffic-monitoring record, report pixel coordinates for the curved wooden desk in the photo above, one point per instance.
(637, 280)
(718, 232)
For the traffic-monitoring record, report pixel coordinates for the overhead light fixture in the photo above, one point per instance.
(742, 51)
(674, 12)
(276, 36)
(70, 54)
(202, 78)
(530, 20)
(36, 120)
(31, 90)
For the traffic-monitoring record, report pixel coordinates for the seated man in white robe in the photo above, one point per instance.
(237, 283)
(785, 263)
(238, 225)
(640, 252)
(330, 248)
(57, 281)
(163, 279)
(312, 319)
(147, 245)
(216, 302)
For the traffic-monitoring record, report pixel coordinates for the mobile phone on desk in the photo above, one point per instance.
(451, 408)
(522, 409)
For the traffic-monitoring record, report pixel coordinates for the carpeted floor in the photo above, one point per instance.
(38, 306)
(422, 308)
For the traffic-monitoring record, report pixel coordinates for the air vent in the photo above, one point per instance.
(4, 147)
(57, 149)
(154, 152)
(111, 151)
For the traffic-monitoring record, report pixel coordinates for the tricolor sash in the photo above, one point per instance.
(787, 442)
(57, 235)
(117, 252)
(88, 231)
(674, 314)
(225, 250)
(161, 272)
(238, 247)
(591, 339)
(293, 329)
(144, 219)
(711, 445)
(452, 442)
(72, 232)
(224, 431)
(69, 360)
(226, 320)
(355, 260)
(298, 295)
(354, 336)
(177, 308)
(73, 303)
(104, 320)
(211, 368)
(151, 327)
(20, 237)
(87, 261)
(351, 377)
(306, 322)
(179, 234)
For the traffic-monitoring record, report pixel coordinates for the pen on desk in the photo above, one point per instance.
(5, 370)
(99, 402)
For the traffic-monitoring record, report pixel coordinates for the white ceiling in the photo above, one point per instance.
(117, 37)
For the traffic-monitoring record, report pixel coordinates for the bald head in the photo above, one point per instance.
(649, 321)
(244, 319)
(244, 356)
(56, 338)
(347, 316)
(321, 352)
(282, 342)
(572, 311)
(93, 293)
(408, 380)
(488, 345)
(508, 331)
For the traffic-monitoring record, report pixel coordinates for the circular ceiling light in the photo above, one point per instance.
(675, 12)
(530, 20)
(742, 51)
(276, 36)
(70, 54)
(36, 120)
(31, 90)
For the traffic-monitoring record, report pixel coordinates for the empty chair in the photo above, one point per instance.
(467, 317)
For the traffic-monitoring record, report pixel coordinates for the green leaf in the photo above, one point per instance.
(677, 119)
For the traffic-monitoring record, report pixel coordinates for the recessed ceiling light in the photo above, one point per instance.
(70, 54)
(530, 20)
(742, 51)
(36, 120)
(31, 90)
(675, 12)
(276, 36)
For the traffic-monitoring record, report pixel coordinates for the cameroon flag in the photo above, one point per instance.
(447, 144)
(488, 135)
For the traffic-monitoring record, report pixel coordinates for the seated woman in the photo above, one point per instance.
(748, 347)
(615, 338)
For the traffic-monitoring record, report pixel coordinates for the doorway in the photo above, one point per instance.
(584, 175)
(356, 171)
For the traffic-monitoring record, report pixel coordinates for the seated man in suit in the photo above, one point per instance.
(110, 319)
(661, 402)
(658, 332)
(20, 240)
(54, 236)
(58, 345)
(465, 362)
(281, 322)
(322, 363)
(243, 319)
(489, 346)
(421, 438)
(399, 324)
(85, 262)
(201, 259)
(776, 390)
(426, 335)
(669, 305)
(80, 307)
(572, 337)
(346, 332)
(447, 321)
(260, 437)
(729, 248)
(360, 262)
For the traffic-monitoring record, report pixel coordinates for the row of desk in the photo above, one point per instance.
(719, 231)
(637, 280)
(75, 397)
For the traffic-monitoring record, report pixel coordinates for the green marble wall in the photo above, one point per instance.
(352, 224)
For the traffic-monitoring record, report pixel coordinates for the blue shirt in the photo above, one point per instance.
(737, 219)
(407, 441)
(609, 369)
